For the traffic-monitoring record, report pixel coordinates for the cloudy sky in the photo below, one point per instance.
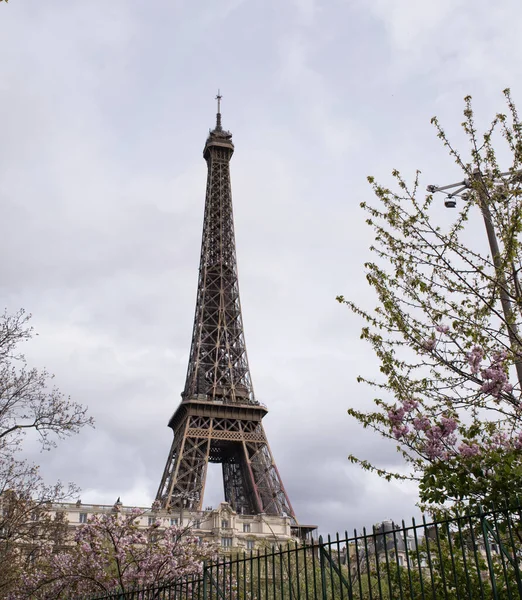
(104, 110)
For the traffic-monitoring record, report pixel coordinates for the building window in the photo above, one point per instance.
(173, 521)
(251, 544)
(246, 527)
(224, 523)
(226, 542)
(152, 520)
(83, 517)
(197, 524)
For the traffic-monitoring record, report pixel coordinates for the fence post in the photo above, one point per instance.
(205, 593)
(485, 535)
(323, 567)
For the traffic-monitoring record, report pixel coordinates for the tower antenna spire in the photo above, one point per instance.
(218, 115)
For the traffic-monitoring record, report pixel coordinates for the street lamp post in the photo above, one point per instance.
(450, 202)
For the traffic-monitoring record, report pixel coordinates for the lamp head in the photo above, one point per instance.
(450, 202)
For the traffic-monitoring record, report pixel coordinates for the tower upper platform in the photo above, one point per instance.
(218, 137)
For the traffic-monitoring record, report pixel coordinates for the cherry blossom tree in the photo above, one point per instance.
(29, 404)
(112, 553)
(446, 327)
(27, 527)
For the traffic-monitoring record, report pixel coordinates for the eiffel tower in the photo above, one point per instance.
(219, 420)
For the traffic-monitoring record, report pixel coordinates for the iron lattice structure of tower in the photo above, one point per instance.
(219, 419)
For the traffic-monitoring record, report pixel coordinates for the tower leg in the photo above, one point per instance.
(184, 478)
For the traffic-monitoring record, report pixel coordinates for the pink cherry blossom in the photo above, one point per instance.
(399, 432)
(429, 343)
(495, 376)
(396, 416)
(410, 405)
(474, 359)
(421, 423)
(110, 552)
(469, 450)
(448, 425)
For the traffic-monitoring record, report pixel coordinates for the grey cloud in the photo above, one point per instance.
(105, 110)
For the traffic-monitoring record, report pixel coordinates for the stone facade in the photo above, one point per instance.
(231, 530)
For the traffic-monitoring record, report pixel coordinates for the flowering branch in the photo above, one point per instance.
(448, 395)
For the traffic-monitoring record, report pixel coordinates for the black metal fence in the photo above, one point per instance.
(474, 556)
